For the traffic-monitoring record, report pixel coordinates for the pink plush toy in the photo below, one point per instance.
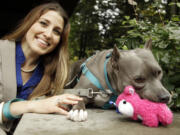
(130, 104)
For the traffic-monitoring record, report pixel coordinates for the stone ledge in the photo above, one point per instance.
(100, 122)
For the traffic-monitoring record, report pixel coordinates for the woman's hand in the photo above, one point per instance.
(55, 104)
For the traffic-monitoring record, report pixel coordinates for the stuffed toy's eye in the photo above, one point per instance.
(125, 108)
(124, 102)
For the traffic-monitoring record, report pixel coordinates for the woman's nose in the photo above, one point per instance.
(48, 33)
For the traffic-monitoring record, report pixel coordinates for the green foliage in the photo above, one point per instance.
(83, 30)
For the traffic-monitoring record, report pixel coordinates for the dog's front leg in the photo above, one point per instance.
(78, 111)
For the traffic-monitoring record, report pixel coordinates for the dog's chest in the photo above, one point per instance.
(101, 99)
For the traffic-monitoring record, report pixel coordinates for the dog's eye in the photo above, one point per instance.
(139, 80)
(158, 72)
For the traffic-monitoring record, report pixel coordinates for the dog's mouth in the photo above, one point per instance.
(166, 98)
(156, 94)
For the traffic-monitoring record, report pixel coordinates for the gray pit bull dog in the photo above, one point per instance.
(136, 67)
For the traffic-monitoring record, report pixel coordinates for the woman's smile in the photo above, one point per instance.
(42, 43)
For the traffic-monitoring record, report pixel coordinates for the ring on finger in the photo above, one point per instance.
(59, 101)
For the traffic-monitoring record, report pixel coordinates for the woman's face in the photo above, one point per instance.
(45, 34)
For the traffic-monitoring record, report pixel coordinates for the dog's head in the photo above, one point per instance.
(140, 69)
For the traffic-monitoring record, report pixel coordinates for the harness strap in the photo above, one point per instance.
(108, 105)
(106, 75)
(91, 76)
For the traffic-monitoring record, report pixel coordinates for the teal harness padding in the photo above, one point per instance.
(92, 78)
(106, 75)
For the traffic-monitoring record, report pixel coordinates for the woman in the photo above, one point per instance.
(35, 63)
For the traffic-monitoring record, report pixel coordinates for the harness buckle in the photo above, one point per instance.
(86, 92)
(81, 92)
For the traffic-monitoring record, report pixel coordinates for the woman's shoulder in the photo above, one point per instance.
(6, 43)
(2, 41)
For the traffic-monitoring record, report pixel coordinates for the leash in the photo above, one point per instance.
(89, 93)
(73, 82)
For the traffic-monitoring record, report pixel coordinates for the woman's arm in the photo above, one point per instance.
(53, 104)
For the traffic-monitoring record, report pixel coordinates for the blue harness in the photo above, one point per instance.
(92, 78)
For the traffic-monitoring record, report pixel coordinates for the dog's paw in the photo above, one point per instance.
(77, 115)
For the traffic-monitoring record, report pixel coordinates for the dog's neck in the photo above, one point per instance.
(98, 60)
(113, 78)
(101, 58)
(116, 74)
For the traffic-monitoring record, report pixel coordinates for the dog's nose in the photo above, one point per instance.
(164, 98)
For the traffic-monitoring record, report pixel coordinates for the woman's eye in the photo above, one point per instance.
(43, 23)
(57, 32)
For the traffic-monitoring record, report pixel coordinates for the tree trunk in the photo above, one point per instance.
(173, 8)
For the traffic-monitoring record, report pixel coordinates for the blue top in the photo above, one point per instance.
(23, 91)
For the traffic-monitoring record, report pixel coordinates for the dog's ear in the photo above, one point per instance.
(115, 57)
(148, 44)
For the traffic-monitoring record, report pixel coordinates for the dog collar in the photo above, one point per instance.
(106, 75)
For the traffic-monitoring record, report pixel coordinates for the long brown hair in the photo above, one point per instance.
(56, 62)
